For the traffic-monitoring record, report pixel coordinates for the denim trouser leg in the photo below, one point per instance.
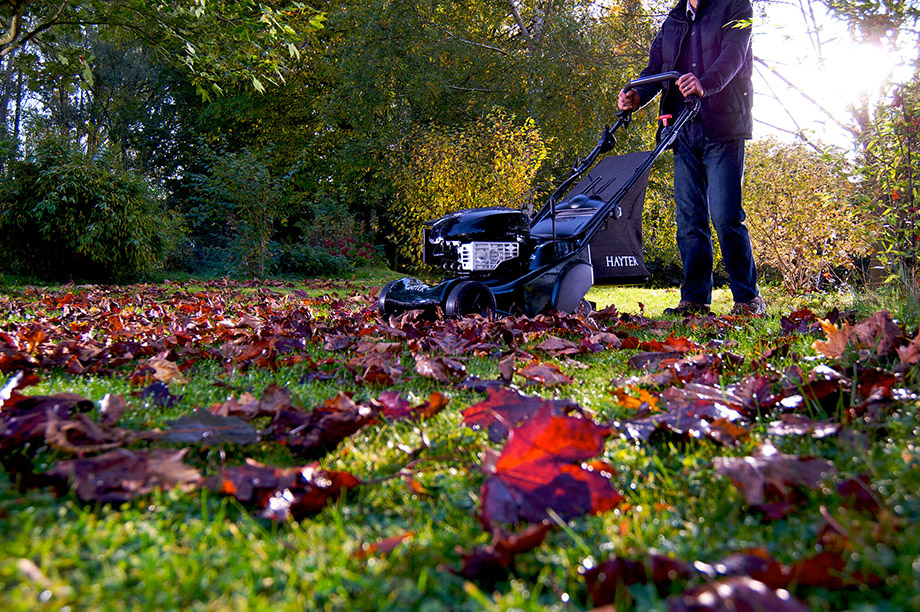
(707, 181)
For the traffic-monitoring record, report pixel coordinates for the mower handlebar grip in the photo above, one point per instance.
(673, 75)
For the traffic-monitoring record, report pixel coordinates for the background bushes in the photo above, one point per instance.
(489, 162)
(802, 215)
(65, 214)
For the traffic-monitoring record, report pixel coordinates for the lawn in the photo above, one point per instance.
(277, 446)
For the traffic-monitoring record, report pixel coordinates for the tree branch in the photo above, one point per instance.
(520, 22)
(852, 131)
(464, 40)
(10, 47)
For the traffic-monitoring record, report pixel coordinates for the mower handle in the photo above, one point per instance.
(673, 75)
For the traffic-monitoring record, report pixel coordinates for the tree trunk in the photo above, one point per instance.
(7, 89)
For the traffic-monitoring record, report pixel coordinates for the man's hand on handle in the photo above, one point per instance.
(689, 85)
(628, 100)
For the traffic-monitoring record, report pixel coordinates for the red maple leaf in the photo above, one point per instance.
(545, 374)
(505, 408)
(539, 470)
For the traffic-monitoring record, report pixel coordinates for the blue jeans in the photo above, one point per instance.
(707, 183)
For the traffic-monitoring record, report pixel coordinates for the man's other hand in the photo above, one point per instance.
(628, 100)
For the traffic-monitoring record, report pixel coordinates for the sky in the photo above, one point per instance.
(849, 71)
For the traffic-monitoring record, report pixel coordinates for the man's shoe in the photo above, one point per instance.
(686, 309)
(756, 307)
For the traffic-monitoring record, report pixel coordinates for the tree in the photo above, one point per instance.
(219, 42)
(66, 214)
(890, 187)
(888, 139)
(242, 199)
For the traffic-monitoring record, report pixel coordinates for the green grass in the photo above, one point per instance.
(196, 550)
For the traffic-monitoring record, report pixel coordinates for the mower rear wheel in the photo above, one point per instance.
(469, 297)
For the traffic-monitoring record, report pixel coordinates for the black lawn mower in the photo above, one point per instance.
(502, 261)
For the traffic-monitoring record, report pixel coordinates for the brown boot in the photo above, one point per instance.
(755, 308)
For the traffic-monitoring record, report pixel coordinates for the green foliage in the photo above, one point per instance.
(800, 212)
(890, 186)
(250, 219)
(490, 162)
(65, 214)
(220, 43)
(241, 199)
(308, 260)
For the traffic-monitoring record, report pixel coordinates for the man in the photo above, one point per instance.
(709, 43)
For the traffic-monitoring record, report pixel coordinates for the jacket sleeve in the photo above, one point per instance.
(736, 39)
(647, 92)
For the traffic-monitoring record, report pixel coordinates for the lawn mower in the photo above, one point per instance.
(502, 261)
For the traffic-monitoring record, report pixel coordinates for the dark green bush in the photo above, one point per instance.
(67, 215)
(308, 260)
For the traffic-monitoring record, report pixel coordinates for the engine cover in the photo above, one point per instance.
(476, 239)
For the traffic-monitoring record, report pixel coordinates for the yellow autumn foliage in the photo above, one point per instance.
(489, 162)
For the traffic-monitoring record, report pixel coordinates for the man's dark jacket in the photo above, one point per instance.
(724, 67)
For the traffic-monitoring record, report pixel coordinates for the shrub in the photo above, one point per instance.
(327, 224)
(801, 214)
(238, 202)
(309, 260)
(65, 214)
(490, 162)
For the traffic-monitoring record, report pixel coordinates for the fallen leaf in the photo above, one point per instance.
(741, 594)
(879, 334)
(377, 368)
(166, 371)
(283, 493)
(910, 354)
(557, 346)
(392, 406)
(769, 475)
(203, 427)
(441, 369)
(800, 425)
(121, 475)
(837, 338)
(311, 434)
(545, 374)
(111, 409)
(489, 564)
(540, 469)
(636, 399)
(505, 408)
(608, 581)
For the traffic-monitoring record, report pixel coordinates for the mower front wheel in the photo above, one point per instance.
(469, 297)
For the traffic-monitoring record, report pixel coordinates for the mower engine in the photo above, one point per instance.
(477, 242)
